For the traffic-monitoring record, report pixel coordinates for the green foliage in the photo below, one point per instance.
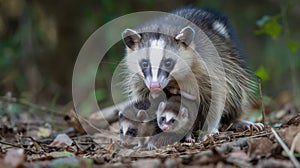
(269, 25)
(262, 73)
(10, 108)
(9, 50)
(277, 27)
(62, 154)
(293, 46)
(101, 94)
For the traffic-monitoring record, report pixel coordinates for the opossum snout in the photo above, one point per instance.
(165, 127)
(155, 86)
(124, 143)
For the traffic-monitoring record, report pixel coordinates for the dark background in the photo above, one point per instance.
(40, 40)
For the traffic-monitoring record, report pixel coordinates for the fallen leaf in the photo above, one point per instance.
(289, 136)
(239, 154)
(43, 132)
(294, 121)
(275, 163)
(14, 157)
(64, 162)
(61, 140)
(260, 147)
(61, 154)
(146, 163)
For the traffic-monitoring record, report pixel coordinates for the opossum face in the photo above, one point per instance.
(131, 128)
(128, 131)
(170, 120)
(159, 58)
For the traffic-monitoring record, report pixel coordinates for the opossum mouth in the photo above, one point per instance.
(124, 143)
(155, 89)
(165, 127)
(155, 86)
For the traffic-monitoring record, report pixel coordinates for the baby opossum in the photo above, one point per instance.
(194, 50)
(178, 115)
(137, 121)
(136, 128)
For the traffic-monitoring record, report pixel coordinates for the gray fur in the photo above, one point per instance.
(239, 85)
(141, 117)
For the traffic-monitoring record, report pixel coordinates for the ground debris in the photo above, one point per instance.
(103, 149)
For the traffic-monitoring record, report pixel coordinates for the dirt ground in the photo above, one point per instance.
(37, 137)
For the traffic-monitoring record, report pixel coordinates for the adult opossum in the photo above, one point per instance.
(194, 50)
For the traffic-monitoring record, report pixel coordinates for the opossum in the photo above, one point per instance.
(131, 129)
(138, 120)
(194, 50)
(178, 115)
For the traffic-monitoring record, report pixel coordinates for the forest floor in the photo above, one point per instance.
(32, 136)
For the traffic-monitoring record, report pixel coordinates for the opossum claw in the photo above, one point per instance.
(189, 139)
(245, 125)
(150, 146)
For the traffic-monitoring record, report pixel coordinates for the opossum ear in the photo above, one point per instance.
(120, 114)
(131, 38)
(186, 35)
(161, 107)
(184, 112)
(141, 115)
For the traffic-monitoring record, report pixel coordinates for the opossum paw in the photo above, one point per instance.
(215, 131)
(245, 125)
(137, 147)
(189, 140)
(150, 146)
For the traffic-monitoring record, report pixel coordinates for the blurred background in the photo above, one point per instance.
(40, 40)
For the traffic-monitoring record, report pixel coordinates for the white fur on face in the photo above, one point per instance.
(156, 54)
(132, 60)
(220, 28)
(169, 116)
(125, 126)
(183, 65)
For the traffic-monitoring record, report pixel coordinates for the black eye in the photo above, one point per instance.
(162, 119)
(121, 131)
(131, 132)
(172, 120)
(145, 64)
(168, 63)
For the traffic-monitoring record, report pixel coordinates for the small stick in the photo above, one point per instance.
(229, 127)
(286, 149)
(17, 146)
(261, 101)
(251, 130)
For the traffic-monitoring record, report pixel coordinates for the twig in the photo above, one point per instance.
(251, 130)
(286, 149)
(229, 127)
(17, 146)
(261, 101)
(29, 104)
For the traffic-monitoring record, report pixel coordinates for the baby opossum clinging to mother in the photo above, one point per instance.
(137, 121)
(189, 50)
(159, 121)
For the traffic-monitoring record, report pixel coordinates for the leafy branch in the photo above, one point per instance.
(277, 27)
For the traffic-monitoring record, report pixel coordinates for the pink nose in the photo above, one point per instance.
(165, 127)
(124, 143)
(155, 85)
